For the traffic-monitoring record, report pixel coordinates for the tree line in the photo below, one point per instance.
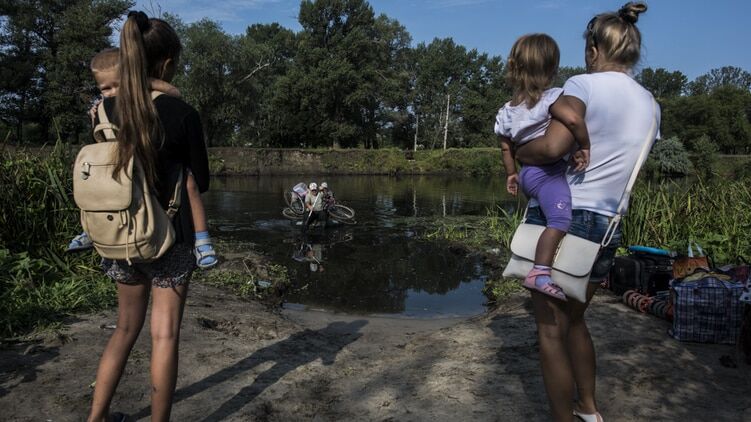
(348, 78)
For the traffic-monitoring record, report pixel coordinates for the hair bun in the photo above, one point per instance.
(141, 20)
(631, 10)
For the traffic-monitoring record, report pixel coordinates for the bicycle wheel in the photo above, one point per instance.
(297, 206)
(289, 214)
(342, 213)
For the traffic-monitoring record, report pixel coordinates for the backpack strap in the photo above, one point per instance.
(108, 129)
(105, 131)
(174, 203)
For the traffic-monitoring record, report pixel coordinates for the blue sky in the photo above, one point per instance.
(692, 36)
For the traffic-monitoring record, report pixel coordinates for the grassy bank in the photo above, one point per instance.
(250, 161)
(39, 284)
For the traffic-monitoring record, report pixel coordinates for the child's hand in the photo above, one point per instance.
(581, 159)
(162, 86)
(512, 184)
(92, 111)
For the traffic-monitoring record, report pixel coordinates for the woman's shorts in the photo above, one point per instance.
(591, 226)
(171, 270)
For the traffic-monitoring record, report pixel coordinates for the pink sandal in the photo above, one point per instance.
(551, 289)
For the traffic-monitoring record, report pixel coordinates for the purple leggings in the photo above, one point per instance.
(548, 185)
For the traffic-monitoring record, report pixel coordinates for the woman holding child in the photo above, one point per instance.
(618, 114)
(166, 136)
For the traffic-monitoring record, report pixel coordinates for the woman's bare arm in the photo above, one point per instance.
(549, 148)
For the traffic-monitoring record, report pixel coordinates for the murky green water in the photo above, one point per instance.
(379, 266)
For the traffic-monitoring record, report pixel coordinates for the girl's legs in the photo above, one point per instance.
(132, 301)
(549, 187)
(166, 317)
(204, 250)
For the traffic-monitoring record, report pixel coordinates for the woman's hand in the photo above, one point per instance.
(512, 184)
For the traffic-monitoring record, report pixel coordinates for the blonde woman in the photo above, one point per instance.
(618, 113)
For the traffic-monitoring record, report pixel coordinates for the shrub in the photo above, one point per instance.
(669, 157)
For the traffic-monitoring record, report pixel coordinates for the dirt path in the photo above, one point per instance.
(239, 362)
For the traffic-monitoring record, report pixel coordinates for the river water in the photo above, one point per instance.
(381, 265)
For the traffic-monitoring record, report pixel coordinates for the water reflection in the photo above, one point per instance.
(378, 266)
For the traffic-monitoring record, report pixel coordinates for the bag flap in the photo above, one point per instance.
(94, 188)
(575, 255)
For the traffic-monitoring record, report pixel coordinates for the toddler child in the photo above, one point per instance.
(531, 68)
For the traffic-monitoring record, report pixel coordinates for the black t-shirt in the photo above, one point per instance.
(183, 149)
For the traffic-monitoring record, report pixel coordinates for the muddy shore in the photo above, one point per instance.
(240, 361)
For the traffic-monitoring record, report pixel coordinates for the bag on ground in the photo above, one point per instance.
(707, 309)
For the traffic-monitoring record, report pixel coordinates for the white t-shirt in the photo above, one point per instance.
(522, 124)
(619, 117)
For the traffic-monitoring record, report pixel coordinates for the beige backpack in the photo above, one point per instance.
(122, 217)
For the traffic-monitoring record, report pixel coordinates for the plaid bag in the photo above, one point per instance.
(707, 309)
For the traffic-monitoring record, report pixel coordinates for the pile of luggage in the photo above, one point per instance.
(704, 303)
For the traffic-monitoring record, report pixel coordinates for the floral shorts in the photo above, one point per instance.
(171, 270)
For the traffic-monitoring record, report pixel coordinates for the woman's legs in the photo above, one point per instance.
(132, 301)
(557, 374)
(567, 354)
(582, 353)
(166, 316)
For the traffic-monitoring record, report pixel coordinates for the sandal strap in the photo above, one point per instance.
(534, 272)
(203, 242)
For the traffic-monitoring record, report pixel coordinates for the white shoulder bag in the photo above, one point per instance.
(573, 261)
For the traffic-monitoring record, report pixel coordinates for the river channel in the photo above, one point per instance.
(383, 265)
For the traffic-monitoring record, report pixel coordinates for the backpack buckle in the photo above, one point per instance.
(86, 172)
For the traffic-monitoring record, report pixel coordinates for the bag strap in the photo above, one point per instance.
(174, 203)
(108, 128)
(105, 126)
(646, 147)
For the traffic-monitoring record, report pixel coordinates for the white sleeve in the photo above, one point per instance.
(500, 128)
(550, 96)
(577, 86)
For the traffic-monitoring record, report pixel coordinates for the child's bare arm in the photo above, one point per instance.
(509, 165)
(570, 111)
(167, 88)
(507, 150)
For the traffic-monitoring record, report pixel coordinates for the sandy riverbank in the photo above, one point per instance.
(240, 362)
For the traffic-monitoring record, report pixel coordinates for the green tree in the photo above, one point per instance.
(264, 54)
(327, 96)
(206, 80)
(566, 72)
(662, 83)
(722, 115)
(57, 38)
(716, 78)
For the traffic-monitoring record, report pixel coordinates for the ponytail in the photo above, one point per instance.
(138, 120)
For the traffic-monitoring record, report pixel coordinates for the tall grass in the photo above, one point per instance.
(716, 214)
(495, 229)
(39, 283)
